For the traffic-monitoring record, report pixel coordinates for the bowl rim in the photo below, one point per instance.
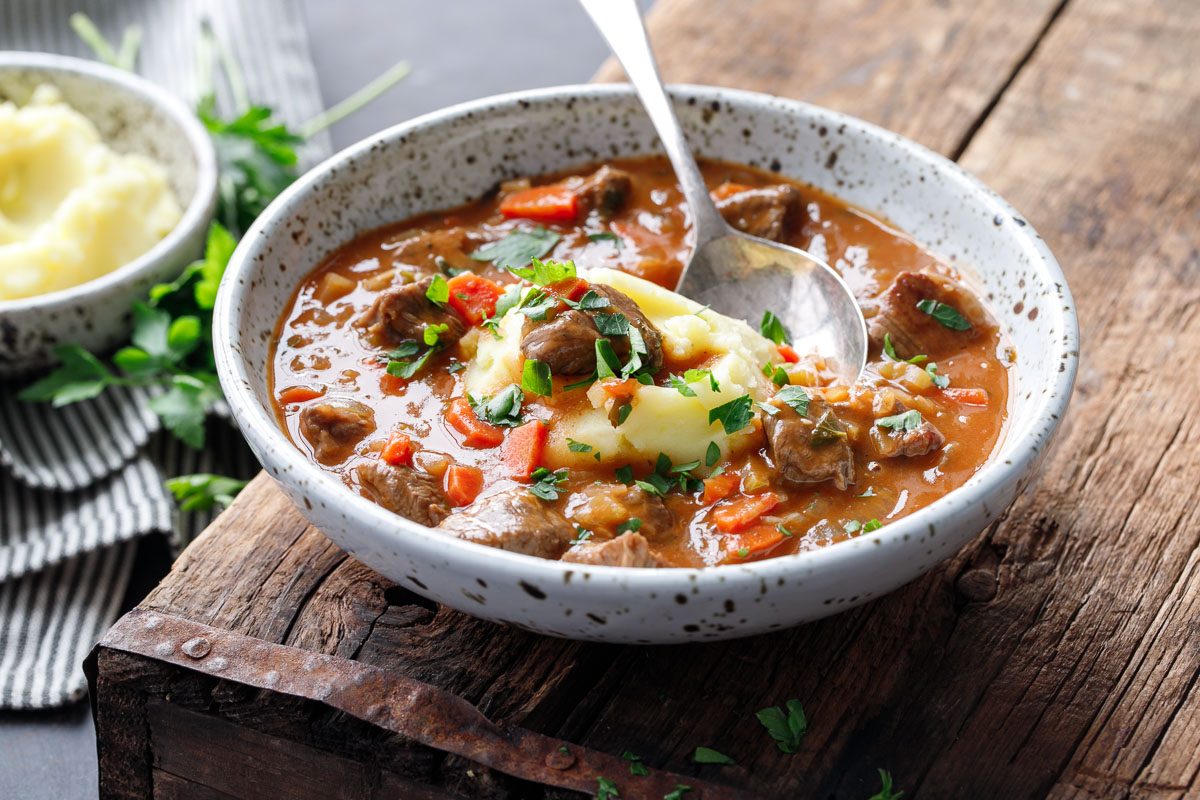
(198, 210)
(261, 428)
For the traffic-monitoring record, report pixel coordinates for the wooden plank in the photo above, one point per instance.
(926, 69)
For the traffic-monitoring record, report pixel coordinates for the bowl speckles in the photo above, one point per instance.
(133, 116)
(454, 155)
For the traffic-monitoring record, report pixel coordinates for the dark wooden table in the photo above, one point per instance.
(1055, 655)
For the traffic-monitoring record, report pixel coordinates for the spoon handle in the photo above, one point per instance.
(621, 25)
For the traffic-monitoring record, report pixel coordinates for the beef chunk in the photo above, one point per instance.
(431, 249)
(920, 441)
(803, 447)
(334, 426)
(912, 331)
(512, 520)
(627, 550)
(566, 342)
(762, 212)
(605, 190)
(601, 507)
(404, 490)
(403, 312)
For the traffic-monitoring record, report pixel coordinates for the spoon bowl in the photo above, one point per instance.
(736, 274)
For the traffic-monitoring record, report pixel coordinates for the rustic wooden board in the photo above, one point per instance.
(1054, 655)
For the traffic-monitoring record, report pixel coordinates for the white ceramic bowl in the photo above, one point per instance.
(451, 156)
(133, 115)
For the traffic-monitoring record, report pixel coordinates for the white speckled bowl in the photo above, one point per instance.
(454, 155)
(133, 116)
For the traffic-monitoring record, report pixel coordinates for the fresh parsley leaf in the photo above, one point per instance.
(624, 474)
(686, 467)
(947, 315)
(631, 524)
(407, 349)
(438, 291)
(772, 328)
(637, 349)
(544, 273)
(780, 527)
(608, 789)
(787, 729)
(431, 333)
(680, 385)
(581, 535)
(907, 421)
(636, 767)
(184, 406)
(871, 525)
(662, 464)
(406, 369)
(827, 431)
(743, 552)
(734, 415)
(592, 301)
(578, 447)
(535, 377)
(518, 249)
(201, 492)
(888, 349)
(616, 324)
(706, 755)
(795, 397)
(503, 409)
(607, 363)
(697, 375)
(677, 794)
(606, 237)
(712, 454)
(770, 411)
(545, 483)
(853, 526)
(778, 375)
(655, 484)
(940, 381)
(623, 413)
(588, 381)
(80, 376)
(536, 304)
(456, 366)
(885, 793)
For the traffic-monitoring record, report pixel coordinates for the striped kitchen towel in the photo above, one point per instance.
(79, 485)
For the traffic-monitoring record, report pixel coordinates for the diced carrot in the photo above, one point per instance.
(718, 487)
(570, 288)
(299, 394)
(728, 190)
(754, 541)
(743, 512)
(476, 432)
(473, 297)
(398, 450)
(967, 397)
(620, 388)
(522, 451)
(553, 203)
(462, 484)
(787, 353)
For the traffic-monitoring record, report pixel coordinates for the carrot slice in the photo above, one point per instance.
(755, 541)
(476, 433)
(718, 487)
(787, 353)
(462, 484)
(299, 394)
(523, 449)
(729, 190)
(967, 397)
(398, 450)
(473, 297)
(743, 512)
(553, 203)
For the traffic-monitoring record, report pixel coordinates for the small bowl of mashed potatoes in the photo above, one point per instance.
(107, 186)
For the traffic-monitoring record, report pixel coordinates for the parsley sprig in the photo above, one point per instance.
(202, 491)
(787, 729)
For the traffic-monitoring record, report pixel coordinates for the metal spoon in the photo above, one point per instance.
(736, 274)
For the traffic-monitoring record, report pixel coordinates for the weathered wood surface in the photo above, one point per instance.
(1057, 653)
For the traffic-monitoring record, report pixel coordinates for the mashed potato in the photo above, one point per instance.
(662, 420)
(71, 209)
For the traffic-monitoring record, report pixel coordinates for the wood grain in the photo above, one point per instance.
(1056, 655)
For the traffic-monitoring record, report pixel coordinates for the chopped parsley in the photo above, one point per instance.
(456, 366)
(940, 381)
(581, 535)
(787, 729)
(776, 373)
(885, 793)
(712, 454)
(545, 483)
(947, 315)
(772, 328)
(407, 349)
(607, 363)
(783, 530)
(624, 474)
(890, 351)
(681, 386)
(706, 755)
(518, 249)
(631, 525)
(637, 349)
(696, 375)
(795, 397)
(544, 273)
(770, 411)
(734, 415)
(578, 447)
(431, 333)
(828, 431)
(503, 409)
(606, 237)
(688, 467)
(588, 381)
(438, 291)
(623, 413)
(616, 324)
(743, 552)
(871, 525)
(678, 793)
(907, 421)
(608, 789)
(853, 526)
(589, 302)
(654, 484)
(535, 377)
(636, 767)
(406, 369)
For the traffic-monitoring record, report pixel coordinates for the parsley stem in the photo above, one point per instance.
(354, 102)
(131, 42)
(93, 38)
(233, 74)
